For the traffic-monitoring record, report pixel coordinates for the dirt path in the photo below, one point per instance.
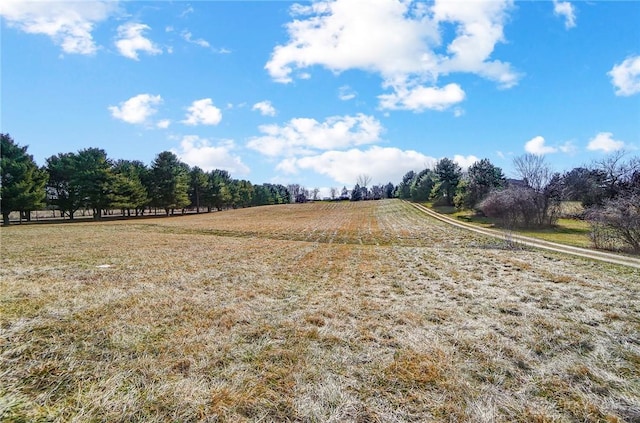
(537, 243)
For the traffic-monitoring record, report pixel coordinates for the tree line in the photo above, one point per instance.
(608, 189)
(89, 180)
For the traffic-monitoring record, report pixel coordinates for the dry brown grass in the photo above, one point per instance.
(318, 312)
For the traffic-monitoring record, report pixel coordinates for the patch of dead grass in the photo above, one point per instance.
(362, 311)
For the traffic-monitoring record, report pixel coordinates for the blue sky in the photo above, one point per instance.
(318, 93)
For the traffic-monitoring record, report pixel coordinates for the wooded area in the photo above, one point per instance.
(89, 180)
(608, 190)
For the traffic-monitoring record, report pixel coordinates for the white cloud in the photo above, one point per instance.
(306, 136)
(420, 98)
(479, 29)
(465, 161)
(68, 24)
(566, 10)
(382, 164)
(130, 41)
(346, 93)
(341, 35)
(568, 147)
(187, 36)
(163, 124)
(604, 141)
(196, 151)
(288, 165)
(626, 76)
(537, 145)
(137, 109)
(187, 11)
(203, 112)
(265, 108)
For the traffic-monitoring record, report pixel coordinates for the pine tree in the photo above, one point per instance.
(449, 174)
(23, 183)
(170, 181)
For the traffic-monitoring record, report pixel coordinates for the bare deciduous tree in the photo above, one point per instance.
(616, 171)
(363, 180)
(533, 170)
(294, 191)
(535, 205)
(616, 224)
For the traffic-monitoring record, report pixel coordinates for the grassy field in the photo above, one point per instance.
(364, 312)
(566, 231)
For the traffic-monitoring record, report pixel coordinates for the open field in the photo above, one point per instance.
(366, 311)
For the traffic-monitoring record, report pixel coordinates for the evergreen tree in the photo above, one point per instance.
(127, 189)
(23, 183)
(344, 194)
(197, 187)
(585, 185)
(93, 177)
(422, 186)
(448, 176)
(389, 190)
(170, 179)
(278, 194)
(217, 193)
(377, 192)
(482, 178)
(245, 192)
(261, 196)
(233, 189)
(404, 188)
(63, 189)
(356, 193)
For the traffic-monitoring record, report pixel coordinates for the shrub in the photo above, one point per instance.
(616, 224)
(521, 207)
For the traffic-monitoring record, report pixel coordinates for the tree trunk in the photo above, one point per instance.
(25, 215)
(5, 217)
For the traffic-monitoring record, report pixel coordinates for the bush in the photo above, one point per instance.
(616, 224)
(521, 207)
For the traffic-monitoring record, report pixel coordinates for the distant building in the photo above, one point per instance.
(516, 183)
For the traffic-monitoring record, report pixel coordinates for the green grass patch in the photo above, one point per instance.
(442, 209)
(469, 216)
(573, 232)
(567, 231)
